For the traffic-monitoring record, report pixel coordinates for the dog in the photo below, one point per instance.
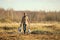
(19, 29)
(29, 30)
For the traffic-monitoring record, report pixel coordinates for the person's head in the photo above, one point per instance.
(25, 14)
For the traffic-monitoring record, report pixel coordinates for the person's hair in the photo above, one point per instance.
(24, 13)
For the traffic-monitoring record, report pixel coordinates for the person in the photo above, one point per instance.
(24, 22)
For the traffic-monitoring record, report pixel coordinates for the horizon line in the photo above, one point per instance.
(28, 9)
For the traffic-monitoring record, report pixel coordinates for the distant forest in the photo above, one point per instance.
(12, 15)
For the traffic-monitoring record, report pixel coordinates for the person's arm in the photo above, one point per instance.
(28, 22)
(21, 22)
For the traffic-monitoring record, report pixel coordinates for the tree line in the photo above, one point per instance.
(12, 15)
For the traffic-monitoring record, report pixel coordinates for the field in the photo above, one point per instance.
(39, 31)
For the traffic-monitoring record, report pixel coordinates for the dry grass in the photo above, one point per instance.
(16, 36)
(9, 31)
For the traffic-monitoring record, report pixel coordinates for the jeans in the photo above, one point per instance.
(24, 28)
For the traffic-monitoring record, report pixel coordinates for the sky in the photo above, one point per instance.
(33, 5)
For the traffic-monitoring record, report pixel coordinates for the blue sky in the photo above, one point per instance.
(46, 5)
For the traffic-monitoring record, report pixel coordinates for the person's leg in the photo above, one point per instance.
(24, 31)
(24, 28)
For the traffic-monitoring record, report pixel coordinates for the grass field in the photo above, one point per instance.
(39, 31)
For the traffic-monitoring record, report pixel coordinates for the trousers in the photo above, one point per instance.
(24, 28)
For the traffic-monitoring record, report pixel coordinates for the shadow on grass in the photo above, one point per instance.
(8, 28)
(41, 32)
